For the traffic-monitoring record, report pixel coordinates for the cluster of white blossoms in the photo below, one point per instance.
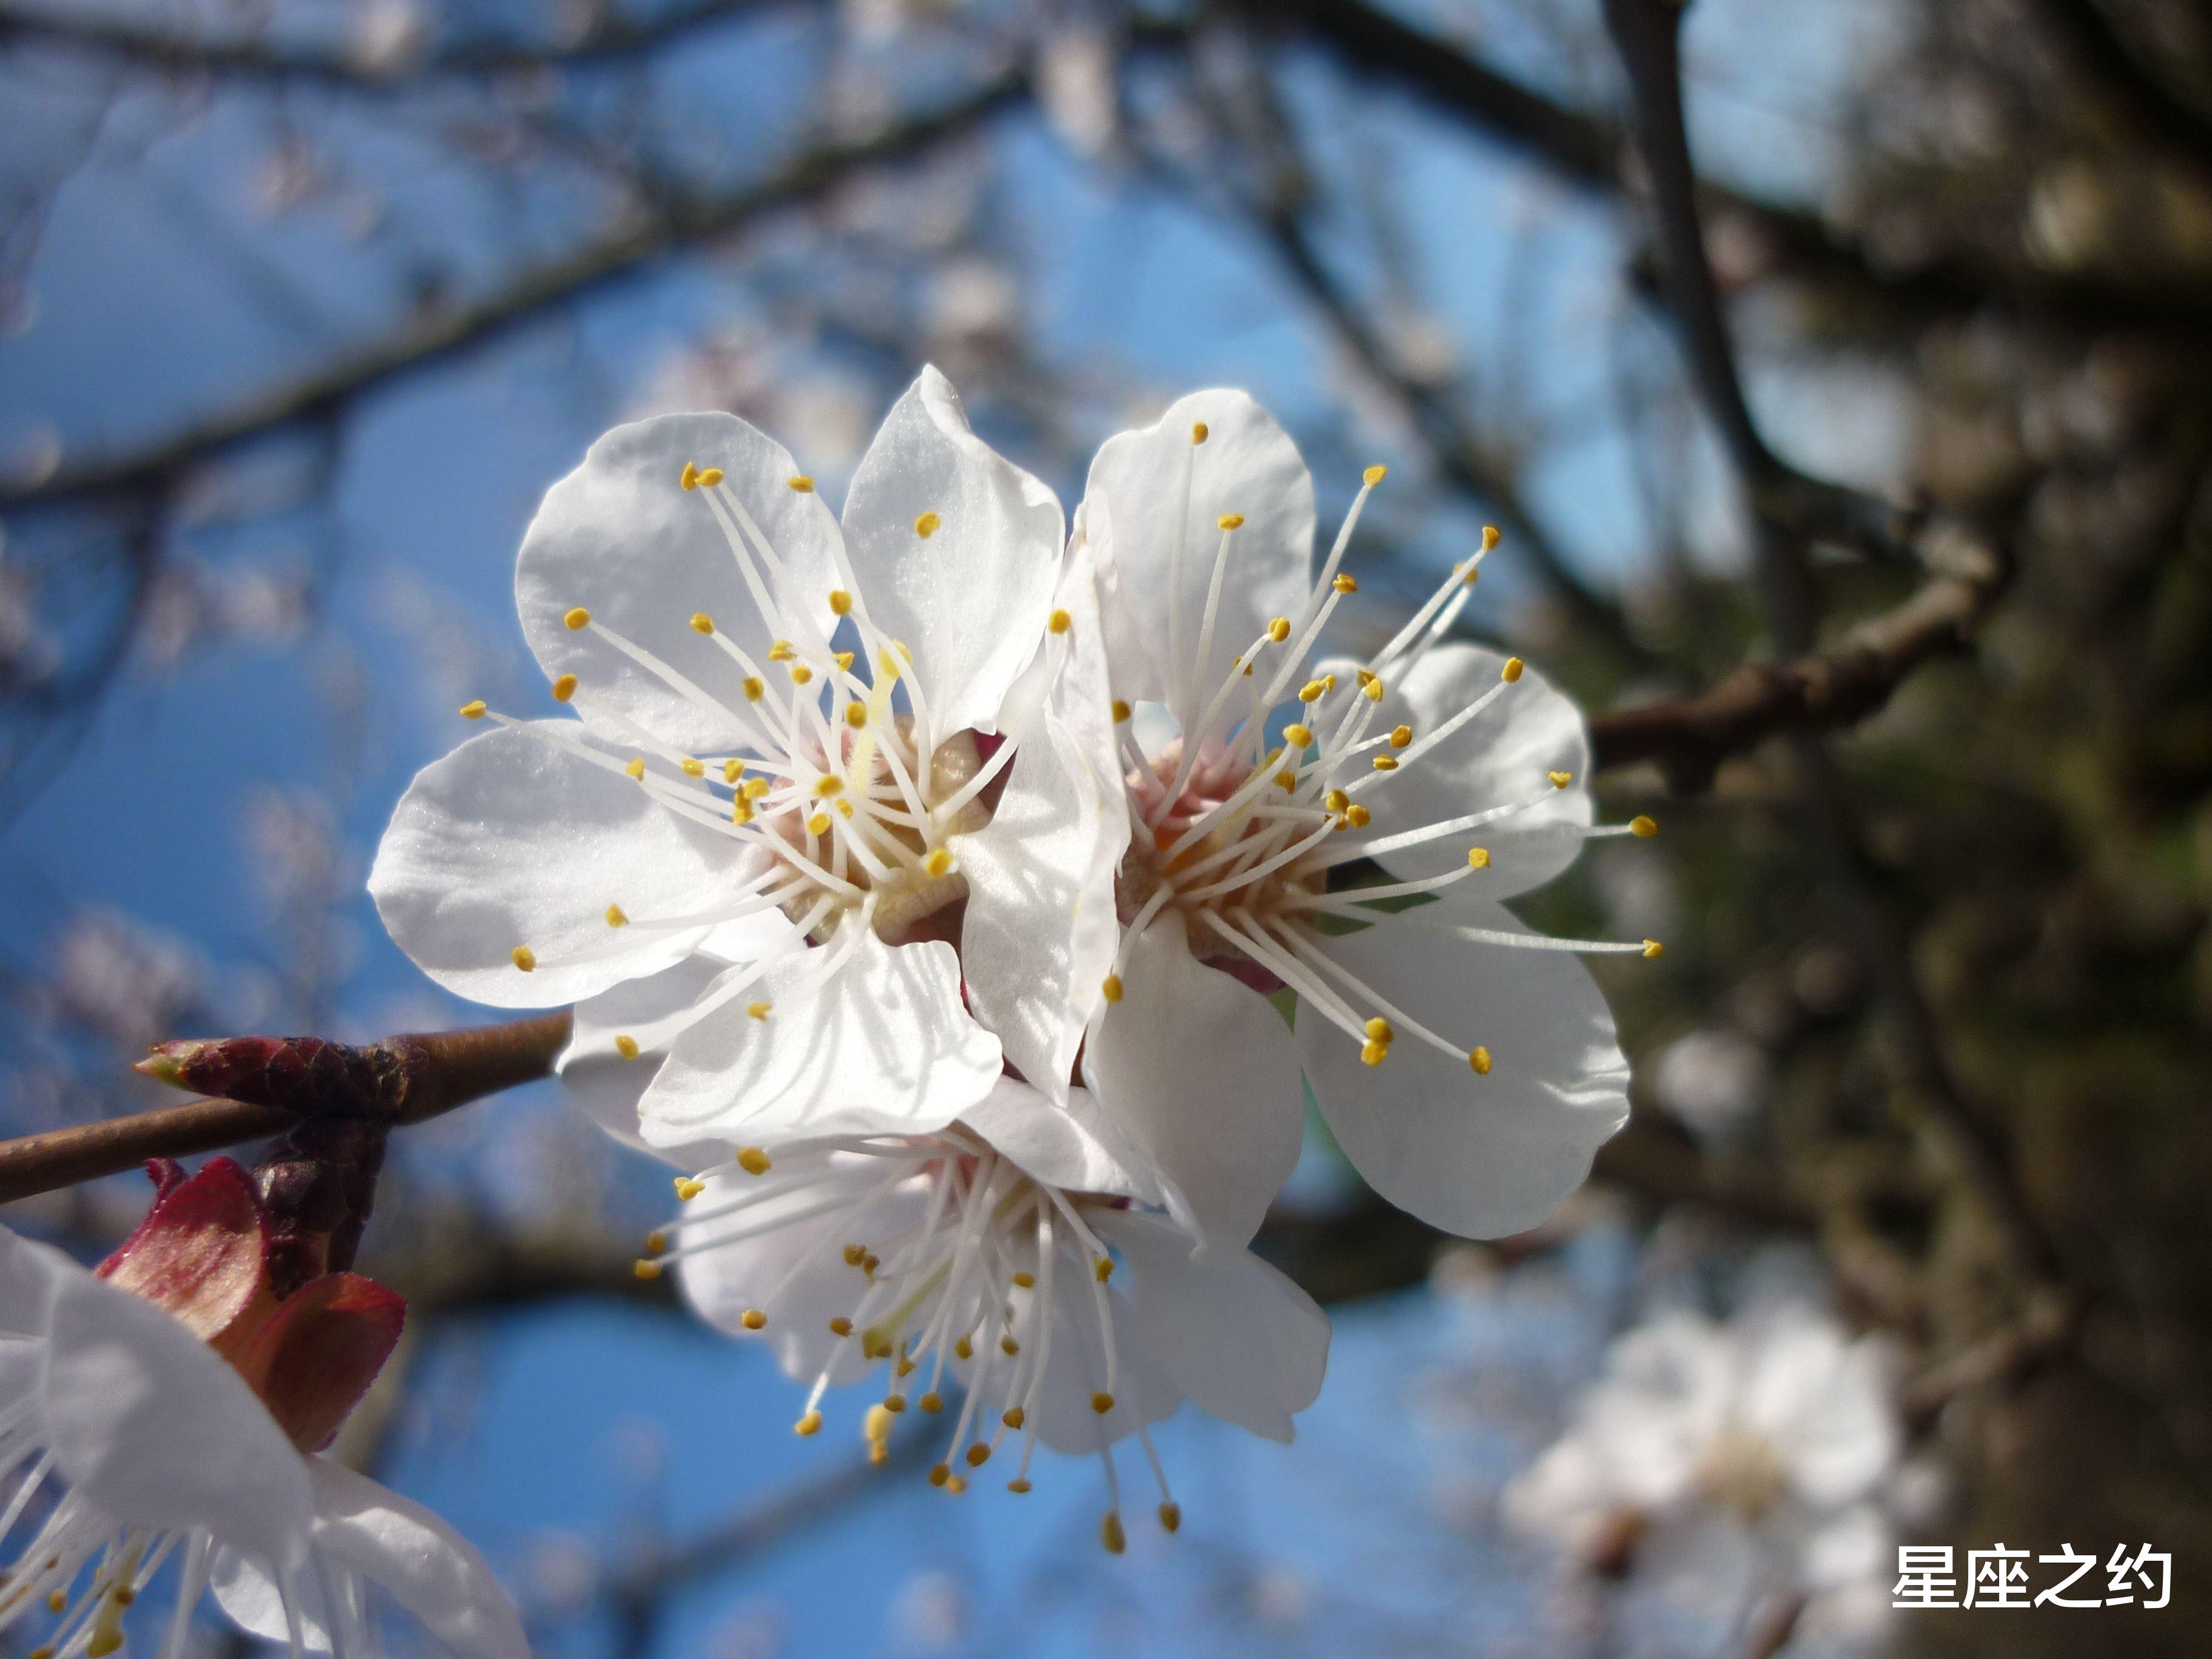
(927, 884)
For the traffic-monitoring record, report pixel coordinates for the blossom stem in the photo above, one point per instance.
(268, 1085)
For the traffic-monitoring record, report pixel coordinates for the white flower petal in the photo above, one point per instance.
(1041, 930)
(1152, 492)
(514, 840)
(1074, 1145)
(882, 1045)
(429, 1569)
(1061, 1410)
(605, 1083)
(1505, 754)
(1199, 1075)
(150, 1427)
(28, 1275)
(1482, 1157)
(970, 599)
(1241, 1341)
(621, 537)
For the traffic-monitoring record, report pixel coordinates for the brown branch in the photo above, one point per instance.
(1838, 687)
(611, 36)
(439, 336)
(270, 1085)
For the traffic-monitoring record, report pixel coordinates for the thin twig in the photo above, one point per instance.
(269, 1085)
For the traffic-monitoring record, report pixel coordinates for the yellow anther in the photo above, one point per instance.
(810, 1423)
(940, 1474)
(800, 673)
(1298, 736)
(1312, 691)
(1025, 1280)
(1279, 630)
(843, 660)
(844, 809)
(753, 1319)
(978, 1454)
(473, 711)
(855, 1255)
(800, 483)
(1287, 781)
(577, 618)
(1230, 521)
(876, 1423)
(692, 768)
(932, 1402)
(1386, 763)
(525, 958)
(1013, 1416)
(104, 1641)
(1018, 1486)
(752, 1160)
(710, 476)
(1328, 682)
(687, 1187)
(645, 1269)
(840, 1326)
(1400, 736)
(1357, 816)
(1373, 476)
(1374, 690)
(626, 1045)
(1198, 432)
(1345, 584)
(58, 1600)
(780, 651)
(656, 1242)
(1512, 669)
(1478, 858)
(758, 1010)
(702, 622)
(1652, 947)
(1479, 1057)
(1102, 1403)
(828, 785)
(754, 688)
(1469, 574)
(1560, 780)
(1379, 1029)
(841, 603)
(689, 479)
(1008, 1346)
(739, 813)
(1111, 1533)
(1102, 1267)
(926, 526)
(1643, 828)
(1111, 987)
(636, 767)
(1121, 711)
(617, 917)
(1336, 801)
(1374, 1053)
(1059, 622)
(564, 688)
(964, 1348)
(755, 788)
(939, 861)
(733, 770)
(956, 1485)
(818, 824)
(894, 1403)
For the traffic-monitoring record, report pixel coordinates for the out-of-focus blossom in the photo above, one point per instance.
(1766, 1441)
(121, 981)
(1076, 87)
(388, 35)
(1712, 1080)
(168, 1406)
(1455, 769)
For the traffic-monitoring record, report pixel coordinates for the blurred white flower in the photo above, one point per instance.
(1076, 87)
(1712, 1080)
(388, 35)
(179, 1399)
(122, 980)
(1774, 1432)
(931, 1612)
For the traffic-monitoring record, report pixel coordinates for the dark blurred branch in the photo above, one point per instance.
(440, 336)
(610, 36)
(270, 1084)
(1838, 688)
(2005, 1355)
(2096, 55)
